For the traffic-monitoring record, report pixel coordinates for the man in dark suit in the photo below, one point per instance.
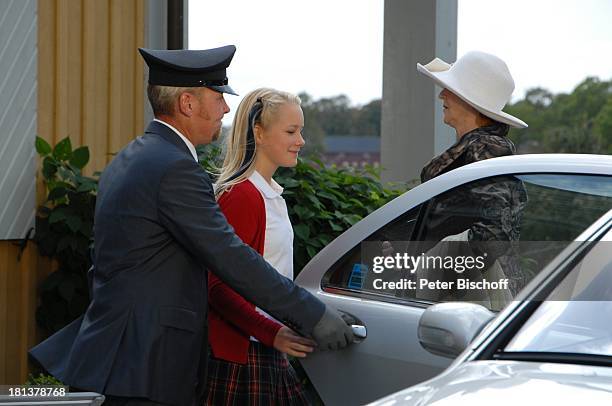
(143, 339)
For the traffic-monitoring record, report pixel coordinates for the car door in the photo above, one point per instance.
(390, 357)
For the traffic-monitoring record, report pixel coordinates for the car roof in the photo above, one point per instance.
(521, 164)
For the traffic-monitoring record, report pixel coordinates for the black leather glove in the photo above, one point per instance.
(333, 332)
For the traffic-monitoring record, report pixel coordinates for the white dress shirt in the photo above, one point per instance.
(278, 242)
(185, 140)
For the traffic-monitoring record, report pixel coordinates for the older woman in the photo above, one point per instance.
(475, 89)
(486, 213)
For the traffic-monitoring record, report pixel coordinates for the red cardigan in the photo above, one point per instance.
(231, 318)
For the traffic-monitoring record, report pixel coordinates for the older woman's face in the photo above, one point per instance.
(456, 111)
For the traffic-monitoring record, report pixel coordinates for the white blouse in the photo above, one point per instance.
(278, 242)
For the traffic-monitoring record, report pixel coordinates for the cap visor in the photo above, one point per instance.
(223, 89)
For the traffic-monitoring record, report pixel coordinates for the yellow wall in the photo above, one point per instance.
(17, 307)
(90, 87)
(90, 74)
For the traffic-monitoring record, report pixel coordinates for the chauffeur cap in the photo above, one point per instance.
(190, 68)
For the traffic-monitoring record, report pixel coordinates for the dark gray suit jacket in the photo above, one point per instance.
(157, 230)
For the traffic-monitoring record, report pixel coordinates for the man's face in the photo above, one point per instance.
(208, 110)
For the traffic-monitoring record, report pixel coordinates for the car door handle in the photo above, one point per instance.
(360, 332)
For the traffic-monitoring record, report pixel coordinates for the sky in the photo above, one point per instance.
(332, 47)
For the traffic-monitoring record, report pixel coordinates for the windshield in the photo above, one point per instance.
(576, 317)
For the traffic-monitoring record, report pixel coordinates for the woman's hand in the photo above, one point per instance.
(292, 344)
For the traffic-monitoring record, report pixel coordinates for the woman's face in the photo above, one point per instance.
(280, 142)
(456, 111)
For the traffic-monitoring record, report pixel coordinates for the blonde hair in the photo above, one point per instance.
(234, 170)
(163, 98)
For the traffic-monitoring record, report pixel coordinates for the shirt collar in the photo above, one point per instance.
(270, 191)
(185, 140)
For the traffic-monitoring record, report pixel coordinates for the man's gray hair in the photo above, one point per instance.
(163, 98)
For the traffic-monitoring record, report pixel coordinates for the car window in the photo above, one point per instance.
(351, 273)
(518, 223)
(521, 222)
(575, 318)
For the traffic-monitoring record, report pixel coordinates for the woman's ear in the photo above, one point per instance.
(259, 134)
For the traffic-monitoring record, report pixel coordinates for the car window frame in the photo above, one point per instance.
(424, 211)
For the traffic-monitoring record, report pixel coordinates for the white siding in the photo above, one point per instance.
(18, 100)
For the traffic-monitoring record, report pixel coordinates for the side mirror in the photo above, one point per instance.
(446, 329)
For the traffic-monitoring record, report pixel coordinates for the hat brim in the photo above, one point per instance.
(441, 79)
(223, 89)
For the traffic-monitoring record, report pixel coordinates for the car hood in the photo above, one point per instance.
(508, 382)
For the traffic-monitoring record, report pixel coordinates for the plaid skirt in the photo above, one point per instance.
(266, 379)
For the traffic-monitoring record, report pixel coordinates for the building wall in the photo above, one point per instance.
(17, 117)
(90, 74)
(90, 87)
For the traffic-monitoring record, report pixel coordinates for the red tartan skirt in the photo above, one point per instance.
(266, 379)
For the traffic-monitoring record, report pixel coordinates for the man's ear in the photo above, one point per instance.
(186, 102)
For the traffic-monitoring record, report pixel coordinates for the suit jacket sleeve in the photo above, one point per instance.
(188, 210)
(247, 215)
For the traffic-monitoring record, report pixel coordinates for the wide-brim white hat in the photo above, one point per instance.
(482, 80)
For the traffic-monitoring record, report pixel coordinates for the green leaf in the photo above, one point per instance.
(63, 150)
(311, 251)
(42, 147)
(313, 199)
(302, 212)
(57, 193)
(335, 227)
(74, 223)
(49, 167)
(352, 218)
(302, 231)
(327, 195)
(289, 183)
(57, 214)
(324, 239)
(313, 242)
(66, 174)
(87, 186)
(80, 157)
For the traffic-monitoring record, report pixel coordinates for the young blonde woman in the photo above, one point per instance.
(248, 364)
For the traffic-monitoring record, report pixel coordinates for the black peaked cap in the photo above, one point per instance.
(190, 68)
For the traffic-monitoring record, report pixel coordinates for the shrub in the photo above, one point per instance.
(64, 227)
(42, 380)
(323, 202)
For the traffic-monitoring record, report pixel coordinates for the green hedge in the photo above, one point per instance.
(324, 202)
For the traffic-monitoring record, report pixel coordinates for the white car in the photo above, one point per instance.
(566, 193)
(552, 344)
